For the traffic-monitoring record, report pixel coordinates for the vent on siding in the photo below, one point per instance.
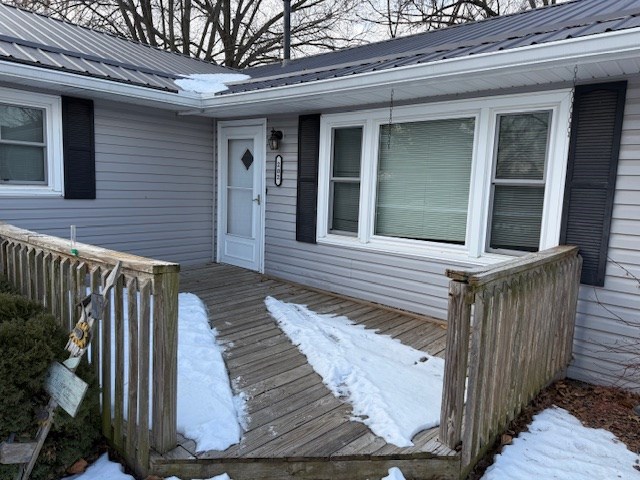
(78, 148)
(308, 154)
(591, 174)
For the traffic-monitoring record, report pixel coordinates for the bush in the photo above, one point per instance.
(30, 339)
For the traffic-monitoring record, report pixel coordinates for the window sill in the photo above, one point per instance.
(416, 249)
(28, 191)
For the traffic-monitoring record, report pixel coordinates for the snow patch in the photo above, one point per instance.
(208, 412)
(394, 474)
(209, 82)
(394, 389)
(558, 446)
(102, 469)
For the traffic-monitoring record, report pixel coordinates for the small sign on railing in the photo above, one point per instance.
(65, 387)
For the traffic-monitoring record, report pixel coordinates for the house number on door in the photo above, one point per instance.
(278, 176)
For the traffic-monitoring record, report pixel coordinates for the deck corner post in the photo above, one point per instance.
(165, 360)
(457, 352)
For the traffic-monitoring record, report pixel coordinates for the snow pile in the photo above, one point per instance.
(558, 446)
(102, 469)
(209, 82)
(395, 390)
(207, 410)
(394, 474)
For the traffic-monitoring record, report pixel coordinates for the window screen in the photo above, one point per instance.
(22, 145)
(519, 179)
(424, 171)
(345, 179)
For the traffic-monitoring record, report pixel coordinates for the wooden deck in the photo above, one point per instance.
(296, 427)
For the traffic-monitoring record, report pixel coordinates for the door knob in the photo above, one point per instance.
(257, 199)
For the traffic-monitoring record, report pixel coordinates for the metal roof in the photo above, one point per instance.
(577, 18)
(30, 38)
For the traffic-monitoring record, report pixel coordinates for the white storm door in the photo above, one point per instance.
(241, 196)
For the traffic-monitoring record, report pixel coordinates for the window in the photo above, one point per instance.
(22, 145)
(471, 180)
(345, 180)
(30, 143)
(423, 177)
(519, 180)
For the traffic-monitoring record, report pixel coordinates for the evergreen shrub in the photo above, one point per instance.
(30, 340)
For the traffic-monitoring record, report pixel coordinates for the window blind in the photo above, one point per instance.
(424, 171)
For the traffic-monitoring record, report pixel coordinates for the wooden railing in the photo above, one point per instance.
(44, 269)
(518, 339)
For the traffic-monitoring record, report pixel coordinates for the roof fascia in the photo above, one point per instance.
(582, 50)
(54, 79)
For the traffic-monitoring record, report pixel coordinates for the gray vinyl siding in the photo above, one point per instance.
(154, 182)
(419, 285)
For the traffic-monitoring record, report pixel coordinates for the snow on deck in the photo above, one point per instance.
(394, 389)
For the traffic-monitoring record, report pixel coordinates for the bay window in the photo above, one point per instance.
(471, 180)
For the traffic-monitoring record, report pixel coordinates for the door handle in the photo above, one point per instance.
(257, 199)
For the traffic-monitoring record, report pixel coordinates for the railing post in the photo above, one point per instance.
(455, 367)
(165, 359)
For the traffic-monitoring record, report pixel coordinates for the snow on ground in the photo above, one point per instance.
(207, 410)
(209, 82)
(558, 446)
(102, 469)
(394, 474)
(394, 389)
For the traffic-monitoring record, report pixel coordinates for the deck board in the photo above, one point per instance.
(292, 415)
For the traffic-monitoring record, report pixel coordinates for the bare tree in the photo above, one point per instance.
(235, 33)
(400, 17)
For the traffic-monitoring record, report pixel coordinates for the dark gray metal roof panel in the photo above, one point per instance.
(30, 38)
(559, 22)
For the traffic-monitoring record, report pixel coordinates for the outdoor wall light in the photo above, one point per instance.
(274, 139)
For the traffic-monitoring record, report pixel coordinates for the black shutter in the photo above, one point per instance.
(78, 148)
(308, 153)
(591, 174)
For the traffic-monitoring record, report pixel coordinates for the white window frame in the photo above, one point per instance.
(52, 106)
(485, 111)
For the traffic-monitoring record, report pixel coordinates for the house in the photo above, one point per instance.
(454, 148)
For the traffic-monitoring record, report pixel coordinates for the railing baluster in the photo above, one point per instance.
(132, 398)
(56, 299)
(143, 371)
(119, 373)
(65, 311)
(106, 364)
